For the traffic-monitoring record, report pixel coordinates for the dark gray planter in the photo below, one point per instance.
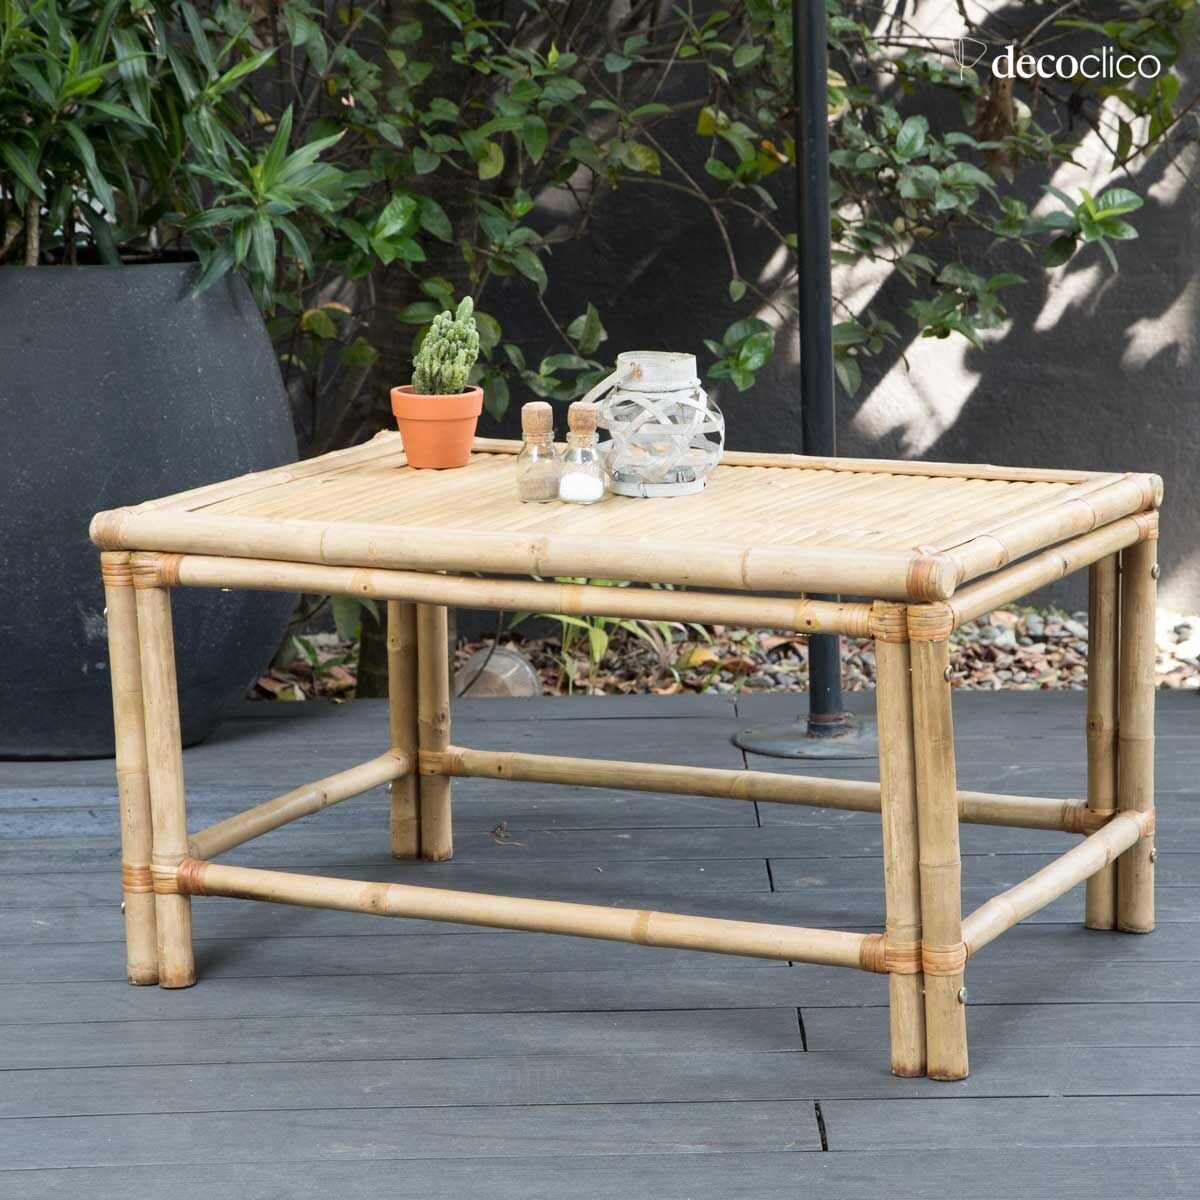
(115, 387)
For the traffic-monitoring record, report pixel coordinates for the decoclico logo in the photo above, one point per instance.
(1101, 64)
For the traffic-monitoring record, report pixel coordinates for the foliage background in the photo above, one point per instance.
(604, 175)
(365, 165)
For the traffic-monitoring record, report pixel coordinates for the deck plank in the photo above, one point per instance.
(396, 1131)
(1168, 1122)
(1063, 1173)
(333, 1054)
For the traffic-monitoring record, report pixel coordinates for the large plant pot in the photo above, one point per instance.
(116, 387)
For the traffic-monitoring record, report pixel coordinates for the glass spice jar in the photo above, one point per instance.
(537, 464)
(582, 478)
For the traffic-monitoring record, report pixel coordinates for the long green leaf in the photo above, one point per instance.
(53, 27)
(180, 70)
(241, 241)
(22, 167)
(296, 241)
(304, 157)
(216, 176)
(131, 67)
(86, 153)
(120, 112)
(216, 265)
(240, 70)
(199, 38)
(277, 153)
(98, 41)
(41, 86)
(220, 216)
(81, 85)
(263, 243)
(102, 235)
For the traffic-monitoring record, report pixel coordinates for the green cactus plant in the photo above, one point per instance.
(451, 346)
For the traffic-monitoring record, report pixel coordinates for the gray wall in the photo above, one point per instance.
(1095, 371)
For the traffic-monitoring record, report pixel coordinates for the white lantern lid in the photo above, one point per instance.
(656, 371)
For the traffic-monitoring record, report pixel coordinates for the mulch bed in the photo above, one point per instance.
(1024, 650)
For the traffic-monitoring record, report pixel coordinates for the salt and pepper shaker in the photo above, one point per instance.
(538, 467)
(581, 480)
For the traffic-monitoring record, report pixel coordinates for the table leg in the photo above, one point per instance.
(433, 728)
(901, 871)
(943, 954)
(402, 719)
(173, 913)
(1100, 908)
(133, 788)
(1135, 730)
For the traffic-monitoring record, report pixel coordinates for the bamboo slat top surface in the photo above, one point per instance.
(765, 522)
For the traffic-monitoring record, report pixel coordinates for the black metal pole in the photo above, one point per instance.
(826, 715)
(828, 732)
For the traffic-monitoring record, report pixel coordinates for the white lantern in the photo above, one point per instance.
(665, 435)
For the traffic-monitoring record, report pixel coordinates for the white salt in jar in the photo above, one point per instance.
(581, 477)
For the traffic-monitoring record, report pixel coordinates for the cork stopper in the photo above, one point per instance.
(582, 417)
(537, 418)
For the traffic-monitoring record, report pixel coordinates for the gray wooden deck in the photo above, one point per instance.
(336, 1056)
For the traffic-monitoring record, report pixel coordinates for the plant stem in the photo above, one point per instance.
(33, 231)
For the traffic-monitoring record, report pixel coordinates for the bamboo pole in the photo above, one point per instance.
(1135, 731)
(1100, 905)
(1081, 862)
(901, 870)
(133, 785)
(1048, 567)
(402, 727)
(1027, 812)
(977, 808)
(890, 574)
(675, 930)
(878, 466)
(764, 612)
(300, 802)
(382, 446)
(173, 913)
(668, 778)
(1072, 516)
(943, 955)
(433, 729)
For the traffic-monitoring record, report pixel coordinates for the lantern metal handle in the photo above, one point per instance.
(615, 377)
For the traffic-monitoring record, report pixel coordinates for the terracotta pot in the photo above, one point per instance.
(437, 430)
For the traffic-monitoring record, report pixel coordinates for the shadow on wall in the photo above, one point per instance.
(1094, 370)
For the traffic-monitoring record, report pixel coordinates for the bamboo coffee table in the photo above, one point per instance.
(925, 546)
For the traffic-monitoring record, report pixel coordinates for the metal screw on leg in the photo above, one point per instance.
(948, 674)
(962, 995)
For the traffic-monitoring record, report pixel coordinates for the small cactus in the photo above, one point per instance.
(444, 361)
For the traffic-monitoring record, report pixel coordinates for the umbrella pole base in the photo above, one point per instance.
(854, 737)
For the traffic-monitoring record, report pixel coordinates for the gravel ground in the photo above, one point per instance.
(1021, 649)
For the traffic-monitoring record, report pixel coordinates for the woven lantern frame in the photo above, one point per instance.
(665, 436)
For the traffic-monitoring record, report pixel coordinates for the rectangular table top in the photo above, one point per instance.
(766, 522)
